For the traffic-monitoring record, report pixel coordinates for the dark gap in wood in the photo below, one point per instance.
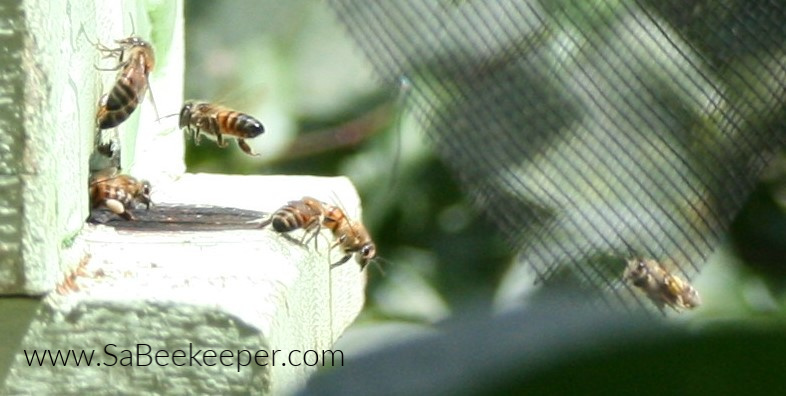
(171, 217)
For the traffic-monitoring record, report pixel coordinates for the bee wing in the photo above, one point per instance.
(208, 109)
(104, 175)
(152, 98)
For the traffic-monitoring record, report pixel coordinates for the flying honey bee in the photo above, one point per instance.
(217, 121)
(660, 286)
(135, 62)
(351, 236)
(306, 214)
(119, 193)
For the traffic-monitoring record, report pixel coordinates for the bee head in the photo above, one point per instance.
(133, 41)
(636, 272)
(185, 114)
(144, 193)
(366, 253)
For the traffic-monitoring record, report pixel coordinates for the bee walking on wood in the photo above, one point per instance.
(660, 286)
(350, 236)
(119, 193)
(135, 62)
(306, 214)
(311, 214)
(217, 121)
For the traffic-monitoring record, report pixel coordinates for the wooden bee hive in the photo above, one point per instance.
(170, 287)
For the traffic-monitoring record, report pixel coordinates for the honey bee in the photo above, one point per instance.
(119, 193)
(305, 214)
(218, 121)
(351, 236)
(135, 62)
(660, 286)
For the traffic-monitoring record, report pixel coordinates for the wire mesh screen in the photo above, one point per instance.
(592, 132)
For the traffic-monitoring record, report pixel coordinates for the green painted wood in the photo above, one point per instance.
(48, 101)
(230, 288)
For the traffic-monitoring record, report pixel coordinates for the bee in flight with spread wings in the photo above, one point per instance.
(199, 118)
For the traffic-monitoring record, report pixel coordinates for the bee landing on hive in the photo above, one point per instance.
(661, 287)
(135, 61)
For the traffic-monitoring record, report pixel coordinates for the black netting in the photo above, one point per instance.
(592, 131)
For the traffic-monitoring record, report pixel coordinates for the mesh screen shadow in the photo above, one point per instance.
(591, 132)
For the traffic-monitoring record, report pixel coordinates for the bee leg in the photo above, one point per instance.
(107, 52)
(342, 261)
(294, 240)
(111, 53)
(128, 216)
(338, 242)
(220, 140)
(197, 136)
(246, 148)
(311, 228)
(313, 236)
(119, 65)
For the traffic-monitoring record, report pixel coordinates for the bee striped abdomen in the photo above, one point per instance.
(120, 103)
(284, 221)
(294, 215)
(122, 96)
(111, 119)
(238, 124)
(227, 119)
(250, 126)
(131, 84)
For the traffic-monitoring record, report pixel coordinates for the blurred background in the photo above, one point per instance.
(294, 67)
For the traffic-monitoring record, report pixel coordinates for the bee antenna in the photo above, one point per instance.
(334, 197)
(166, 116)
(96, 43)
(339, 204)
(133, 27)
(153, 99)
(377, 262)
